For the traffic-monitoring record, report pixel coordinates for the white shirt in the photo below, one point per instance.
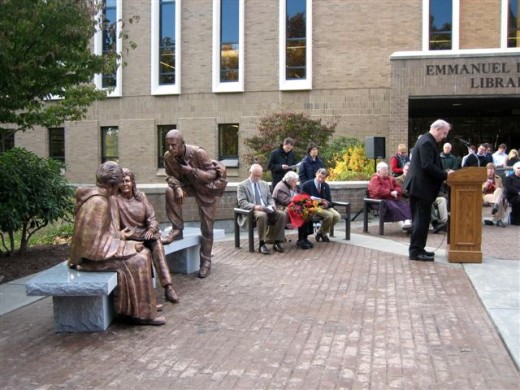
(499, 159)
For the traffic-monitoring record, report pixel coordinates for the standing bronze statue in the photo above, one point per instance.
(98, 246)
(192, 173)
(137, 219)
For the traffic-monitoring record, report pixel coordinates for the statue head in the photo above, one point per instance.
(109, 175)
(175, 142)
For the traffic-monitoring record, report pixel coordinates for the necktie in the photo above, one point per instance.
(318, 187)
(258, 199)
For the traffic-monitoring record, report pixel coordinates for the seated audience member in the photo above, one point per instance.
(254, 194)
(512, 190)
(398, 160)
(493, 193)
(384, 186)
(448, 159)
(282, 195)
(319, 189)
(471, 159)
(500, 156)
(439, 220)
(484, 155)
(310, 164)
(97, 246)
(137, 218)
(512, 158)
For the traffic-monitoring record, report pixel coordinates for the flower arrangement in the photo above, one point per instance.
(302, 208)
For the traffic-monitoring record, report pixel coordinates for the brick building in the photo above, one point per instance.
(211, 68)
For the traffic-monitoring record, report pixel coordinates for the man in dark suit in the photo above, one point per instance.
(319, 188)
(254, 194)
(423, 184)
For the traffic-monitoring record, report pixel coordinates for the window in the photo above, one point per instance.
(109, 144)
(57, 143)
(161, 145)
(440, 24)
(510, 25)
(228, 144)
(228, 38)
(6, 141)
(108, 42)
(166, 42)
(295, 44)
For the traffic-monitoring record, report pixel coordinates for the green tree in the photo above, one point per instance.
(274, 128)
(33, 193)
(45, 51)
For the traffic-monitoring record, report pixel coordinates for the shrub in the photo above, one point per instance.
(352, 165)
(274, 128)
(33, 193)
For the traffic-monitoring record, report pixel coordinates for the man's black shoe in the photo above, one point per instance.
(494, 210)
(421, 258)
(310, 244)
(429, 254)
(500, 223)
(263, 250)
(439, 227)
(278, 248)
(488, 222)
(302, 244)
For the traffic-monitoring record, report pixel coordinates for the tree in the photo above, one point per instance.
(45, 52)
(274, 128)
(33, 193)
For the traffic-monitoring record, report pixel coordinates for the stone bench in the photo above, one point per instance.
(183, 256)
(82, 301)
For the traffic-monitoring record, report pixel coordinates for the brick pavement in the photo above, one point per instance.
(354, 318)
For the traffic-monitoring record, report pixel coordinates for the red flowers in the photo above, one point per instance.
(302, 208)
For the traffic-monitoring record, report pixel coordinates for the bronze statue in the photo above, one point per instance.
(192, 173)
(97, 246)
(137, 219)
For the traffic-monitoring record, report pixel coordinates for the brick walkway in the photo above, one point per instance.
(353, 318)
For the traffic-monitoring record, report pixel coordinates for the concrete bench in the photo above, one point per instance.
(82, 301)
(183, 256)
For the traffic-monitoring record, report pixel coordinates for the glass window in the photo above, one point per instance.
(6, 141)
(296, 44)
(228, 56)
(57, 143)
(165, 47)
(108, 42)
(109, 144)
(162, 148)
(228, 143)
(441, 24)
(513, 29)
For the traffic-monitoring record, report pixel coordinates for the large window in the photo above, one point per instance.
(166, 47)
(6, 142)
(510, 23)
(228, 53)
(228, 144)
(295, 44)
(108, 42)
(109, 144)
(441, 24)
(161, 143)
(57, 143)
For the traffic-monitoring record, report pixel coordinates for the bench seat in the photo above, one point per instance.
(82, 301)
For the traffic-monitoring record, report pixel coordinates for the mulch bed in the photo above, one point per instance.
(37, 258)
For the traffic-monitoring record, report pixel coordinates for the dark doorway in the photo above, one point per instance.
(494, 120)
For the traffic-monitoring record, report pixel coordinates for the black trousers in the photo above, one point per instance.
(421, 217)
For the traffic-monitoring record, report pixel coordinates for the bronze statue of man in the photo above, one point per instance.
(192, 173)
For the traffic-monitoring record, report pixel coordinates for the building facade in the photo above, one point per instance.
(212, 68)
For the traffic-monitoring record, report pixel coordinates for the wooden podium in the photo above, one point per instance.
(466, 215)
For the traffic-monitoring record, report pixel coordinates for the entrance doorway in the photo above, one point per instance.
(494, 120)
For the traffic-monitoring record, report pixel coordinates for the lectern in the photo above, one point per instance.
(466, 215)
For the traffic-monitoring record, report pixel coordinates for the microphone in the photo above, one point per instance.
(463, 141)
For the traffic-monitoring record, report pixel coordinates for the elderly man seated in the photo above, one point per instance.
(254, 194)
(384, 186)
(493, 193)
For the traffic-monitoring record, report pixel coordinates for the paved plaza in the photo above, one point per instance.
(346, 315)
